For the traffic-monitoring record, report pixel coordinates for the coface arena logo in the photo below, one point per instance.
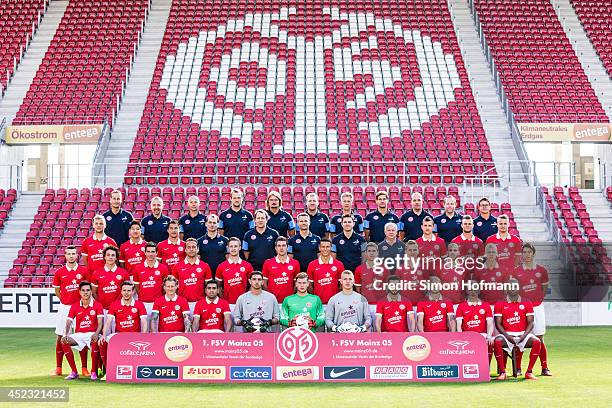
(139, 348)
(297, 345)
(254, 373)
(458, 349)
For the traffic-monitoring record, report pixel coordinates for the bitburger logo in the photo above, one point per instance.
(178, 348)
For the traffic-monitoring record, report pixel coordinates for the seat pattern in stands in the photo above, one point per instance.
(595, 16)
(7, 199)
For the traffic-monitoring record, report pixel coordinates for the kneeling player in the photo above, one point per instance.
(256, 310)
(435, 314)
(302, 308)
(171, 311)
(348, 311)
(474, 315)
(394, 313)
(87, 316)
(212, 314)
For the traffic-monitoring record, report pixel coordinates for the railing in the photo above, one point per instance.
(2, 130)
(540, 172)
(100, 153)
(605, 175)
(11, 176)
(54, 120)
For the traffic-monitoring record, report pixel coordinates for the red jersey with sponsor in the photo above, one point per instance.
(451, 276)
(412, 279)
(108, 284)
(212, 314)
(435, 247)
(532, 282)
(280, 276)
(92, 248)
(192, 278)
(365, 279)
(514, 315)
(325, 277)
(85, 319)
(68, 280)
(473, 247)
(394, 315)
(127, 317)
(474, 316)
(435, 314)
(150, 280)
(171, 313)
(234, 277)
(507, 250)
(169, 253)
(132, 255)
(491, 275)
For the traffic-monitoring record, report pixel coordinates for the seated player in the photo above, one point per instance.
(233, 274)
(302, 308)
(171, 311)
(393, 313)
(87, 317)
(149, 278)
(474, 315)
(366, 277)
(106, 281)
(256, 310)
(191, 274)
(435, 314)
(324, 272)
(348, 311)
(212, 314)
(514, 322)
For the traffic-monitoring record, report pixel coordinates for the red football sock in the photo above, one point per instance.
(498, 347)
(95, 356)
(490, 352)
(543, 355)
(83, 355)
(519, 359)
(59, 353)
(535, 353)
(104, 352)
(70, 357)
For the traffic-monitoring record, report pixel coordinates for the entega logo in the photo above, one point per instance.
(178, 348)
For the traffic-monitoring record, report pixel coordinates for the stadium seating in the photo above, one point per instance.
(279, 87)
(18, 21)
(7, 199)
(609, 193)
(595, 16)
(539, 70)
(64, 216)
(84, 70)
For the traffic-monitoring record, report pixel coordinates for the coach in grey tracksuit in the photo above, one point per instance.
(256, 303)
(347, 306)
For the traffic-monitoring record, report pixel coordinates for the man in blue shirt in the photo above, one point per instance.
(279, 220)
(192, 224)
(349, 246)
(155, 225)
(448, 224)
(335, 224)
(485, 224)
(318, 221)
(303, 246)
(212, 246)
(117, 219)
(410, 222)
(235, 221)
(375, 221)
(258, 242)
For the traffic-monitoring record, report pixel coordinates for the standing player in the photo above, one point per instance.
(278, 220)
(258, 243)
(391, 246)
(533, 281)
(429, 244)
(348, 246)
(212, 247)
(118, 220)
(132, 250)
(474, 315)
(448, 224)
(393, 313)
(192, 224)
(452, 272)
(335, 224)
(66, 281)
(324, 272)
(155, 225)
(303, 246)
(375, 222)
(348, 311)
(212, 314)
(235, 221)
(191, 273)
(318, 221)
(149, 277)
(171, 311)
(491, 272)
(171, 250)
(92, 246)
(233, 273)
(279, 272)
(87, 317)
(411, 221)
(256, 310)
(302, 308)
(469, 244)
(508, 245)
(367, 279)
(106, 281)
(435, 314)
(485, 224)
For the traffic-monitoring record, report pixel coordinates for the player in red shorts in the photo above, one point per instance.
(430, 244)
(514, 322)
(132, 251)
(325, 272)
(279, 272)
(435, 314)
(129, 316)
(234, 273)
(212, 314)
(171, 311)
(393, 313)
(367, 276)
(533, 280)
(106, 281)
(191, 273)
(172, 250)
(92, 247)
(66, 282)
(508, 245)
(87, 317)
(491, 273)
(474, 315)
(452, 271)
(469, 244)
(149, 278)
(413, 273)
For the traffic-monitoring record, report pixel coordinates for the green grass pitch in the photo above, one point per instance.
(580, 359)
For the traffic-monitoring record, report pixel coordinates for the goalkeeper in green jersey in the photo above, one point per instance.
(302, 308)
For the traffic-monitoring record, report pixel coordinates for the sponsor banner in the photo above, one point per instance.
(297, 355)
(566, 132)
(48, 134)
(28, 307)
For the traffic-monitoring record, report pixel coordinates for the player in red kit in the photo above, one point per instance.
(86, 317)
(66, 281)
(170, 311)
(367, 275)
(514, 322)
(508, 245)
(474, 315)
(106, 281)
(325, 272)
(212, 314)
(92, 247)
(452, 272)
(491, 273)
(234, 273)
(435, 314)
(412, 273)
(469, 244)
(191, 273)
(279, 272)
(132, 251)
(393, 313)
(429, 244)
(172, 250)
(149, 277)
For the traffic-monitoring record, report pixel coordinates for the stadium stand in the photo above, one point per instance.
(595, 16)
(539, 70)
(18, 22)
(7, 199)
(82, 75)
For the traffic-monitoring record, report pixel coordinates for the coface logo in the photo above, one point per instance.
(437, 371)
(471, 371)
(157, 372)
(344, 373)
(140, 349)
(262, 373)
(124, 372)
(204, 373)
(459, 346)
(299, 373)
(395, 372)
(297, 345)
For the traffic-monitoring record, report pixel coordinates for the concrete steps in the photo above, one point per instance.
(600, 211)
